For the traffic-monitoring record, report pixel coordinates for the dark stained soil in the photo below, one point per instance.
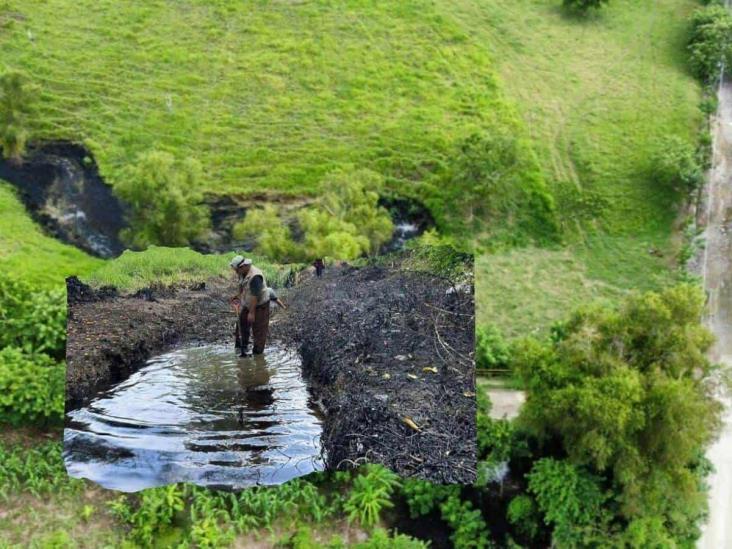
(111, 336)
(388, 355)
(61, 187)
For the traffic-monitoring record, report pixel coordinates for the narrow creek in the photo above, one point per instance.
(200, 415)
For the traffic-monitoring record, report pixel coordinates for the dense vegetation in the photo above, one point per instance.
(514, 123)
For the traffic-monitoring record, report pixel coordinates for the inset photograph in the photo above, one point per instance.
(233, 371)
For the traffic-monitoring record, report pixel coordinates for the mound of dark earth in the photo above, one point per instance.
(391, 355)
(110, 336)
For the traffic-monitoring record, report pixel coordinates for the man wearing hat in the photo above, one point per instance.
(251, 304)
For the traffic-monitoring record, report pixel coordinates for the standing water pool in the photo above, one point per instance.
(200, 415)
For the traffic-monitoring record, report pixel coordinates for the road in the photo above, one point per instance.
(717, 273)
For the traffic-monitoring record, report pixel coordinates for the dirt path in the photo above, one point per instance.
(717, 273)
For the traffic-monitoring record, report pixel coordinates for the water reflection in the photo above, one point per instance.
(199, 415)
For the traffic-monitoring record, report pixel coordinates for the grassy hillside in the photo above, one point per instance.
(267, 95)
(597, 97)
(25, 251)
(270, 96)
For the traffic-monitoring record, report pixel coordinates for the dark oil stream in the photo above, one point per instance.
(200, 415)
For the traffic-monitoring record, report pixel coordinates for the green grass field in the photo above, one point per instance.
(597, 96)
(267, 95)
(27, 252)
(272, 95)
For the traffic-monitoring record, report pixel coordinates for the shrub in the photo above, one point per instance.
(494, 185)
(583, 6)
(380, 539)
(522, 514)
(270, 236)
(32, 320)
(710, 42)
(469, 530)
(439, 254)
(423, 497)
(677, 165)
(31, 388)
(491, 349)
(165, 199)
(17, 102)
(370, 494)
(151, 513)
(347, 222)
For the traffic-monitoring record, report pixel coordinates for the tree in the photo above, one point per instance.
(710, 42)
(625, 394)
(271, 237)
(17, 104)
(165, 200)
(347, 222)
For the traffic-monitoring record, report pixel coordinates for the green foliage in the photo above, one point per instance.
(152, 512)
(370, 494)
(710, 42)
(201, 517)
(439, 254)
(31, 388)
(491, 349)
(570, 499)
(265, 229)
(677, 166)
(347, 221)
(523, 515)
(380, 539)
(17, 102)
(165, 197)
(469, 530)
(583, 6)
(260, 507)
(625, 393)
(32, 320)
(494, 184)
(38, 471)
(423, 497)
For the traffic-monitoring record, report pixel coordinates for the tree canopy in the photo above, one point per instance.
(624, 395)
(165, 199)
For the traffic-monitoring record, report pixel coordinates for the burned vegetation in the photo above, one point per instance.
(390, 353)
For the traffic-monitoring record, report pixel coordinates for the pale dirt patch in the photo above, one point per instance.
(505, 403)
(716, 270)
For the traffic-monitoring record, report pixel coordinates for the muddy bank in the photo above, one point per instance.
(111, 336)
(60, 185)
(390, 355)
